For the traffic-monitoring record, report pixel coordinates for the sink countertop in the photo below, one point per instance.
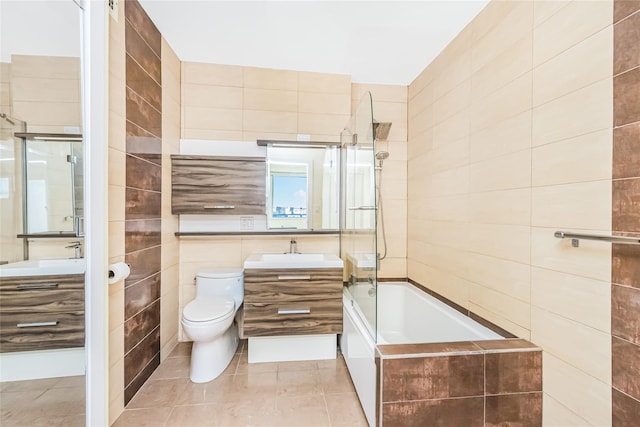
(293, 260)
(44, 267)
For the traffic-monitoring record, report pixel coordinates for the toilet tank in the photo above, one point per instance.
(221, 282)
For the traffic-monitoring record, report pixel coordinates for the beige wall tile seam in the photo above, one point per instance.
(566, 407)
(587, 37)
(564, 184)
(550, 16)
(578, 135)
(498, 291)
(485, 160)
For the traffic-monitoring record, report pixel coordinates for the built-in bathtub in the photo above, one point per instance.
(430, 364)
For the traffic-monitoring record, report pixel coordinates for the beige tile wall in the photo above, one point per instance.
(223, 102)
(116, 214)
(169, 310)
(510, 139)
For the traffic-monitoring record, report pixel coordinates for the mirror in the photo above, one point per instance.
(54, 186)
(40, 97)
(302, 187)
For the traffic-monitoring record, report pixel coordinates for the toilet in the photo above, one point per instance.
(209, 321)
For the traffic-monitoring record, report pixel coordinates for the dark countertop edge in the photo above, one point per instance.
(256, 233)
(69, 235)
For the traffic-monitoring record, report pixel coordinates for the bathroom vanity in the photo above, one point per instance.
(41, 312)
(292, 306)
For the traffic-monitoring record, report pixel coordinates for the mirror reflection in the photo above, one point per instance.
(42, 336)
(54, 186)
(302, 187)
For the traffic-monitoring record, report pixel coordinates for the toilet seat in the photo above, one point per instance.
(207, 309)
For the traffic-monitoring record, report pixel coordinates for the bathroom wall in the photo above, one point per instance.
(144, 127)
(234, 103)
(390, 105)
(625, 274)
(510, 139)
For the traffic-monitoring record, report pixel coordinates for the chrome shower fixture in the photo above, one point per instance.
(7, 118)
(381, 130)
(380, 157)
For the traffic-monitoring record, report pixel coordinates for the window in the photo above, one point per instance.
(289, 195)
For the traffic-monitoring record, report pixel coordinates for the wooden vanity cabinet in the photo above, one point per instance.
(218, 185)
(41, 312)
(292, 302)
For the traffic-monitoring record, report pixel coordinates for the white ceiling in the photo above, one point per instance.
(387, 42)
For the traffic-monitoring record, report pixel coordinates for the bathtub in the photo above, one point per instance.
(406, 315)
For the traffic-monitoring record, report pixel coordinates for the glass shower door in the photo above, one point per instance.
(358, 226)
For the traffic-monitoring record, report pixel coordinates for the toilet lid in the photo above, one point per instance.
(205, 309)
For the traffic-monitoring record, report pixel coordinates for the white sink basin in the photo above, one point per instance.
(288, 260)
(43, 267)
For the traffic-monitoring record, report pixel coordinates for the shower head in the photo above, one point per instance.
(381, 130)
(382, 155)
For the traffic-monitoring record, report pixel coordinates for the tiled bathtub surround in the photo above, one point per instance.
(143, 198)
(625, 272)
(479, 383)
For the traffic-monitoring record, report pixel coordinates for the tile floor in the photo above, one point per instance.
(314, 393)
(47, 402)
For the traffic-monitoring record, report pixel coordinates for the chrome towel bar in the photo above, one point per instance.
(575, 238)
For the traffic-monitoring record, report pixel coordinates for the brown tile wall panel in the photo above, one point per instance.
(142, 377)
(144, 263)
(467, 412)
(139, 326)
(626, 93)
(626, 204)
(625, 313)
(627, 52)
(626, 151)
(141, 82)
(506, 344)
(432, 377)
(625, 269)
(626, 410)
(624, 8)
(625, 367)
(143, 174)
(140, 295)
(142, 204)
(142, 53)
(514, 372)
(137, 17)
(136, 360)
(142, 234)
(141, 113)
(141, 143)
(522, 410)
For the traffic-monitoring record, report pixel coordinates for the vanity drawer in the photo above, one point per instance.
(291, 285)
(293, 318)
(41, 331)
(47, 296)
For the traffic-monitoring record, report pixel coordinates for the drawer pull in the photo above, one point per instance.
(36, 324)
(219, 207)
(30, 286)
(294, 277)
(294, 310)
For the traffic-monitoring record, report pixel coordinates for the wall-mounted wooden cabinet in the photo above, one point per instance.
(41, 312)
(218, 185)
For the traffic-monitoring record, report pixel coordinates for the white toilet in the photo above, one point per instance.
(209, 321)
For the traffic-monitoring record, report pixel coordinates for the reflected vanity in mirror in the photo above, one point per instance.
(302, 185)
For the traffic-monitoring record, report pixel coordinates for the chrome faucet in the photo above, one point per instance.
(77, 246)
(293, 246)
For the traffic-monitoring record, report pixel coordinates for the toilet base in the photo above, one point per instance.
(209, 359)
